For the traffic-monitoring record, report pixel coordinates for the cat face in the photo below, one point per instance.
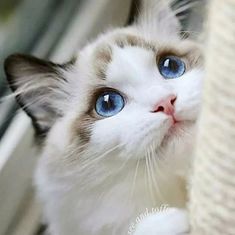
(134, 83)
(134, 91)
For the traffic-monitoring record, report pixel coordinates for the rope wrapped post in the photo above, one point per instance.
(212, 205)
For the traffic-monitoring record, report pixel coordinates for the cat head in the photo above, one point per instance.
(133, 91)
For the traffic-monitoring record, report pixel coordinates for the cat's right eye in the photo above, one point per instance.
(109, 104)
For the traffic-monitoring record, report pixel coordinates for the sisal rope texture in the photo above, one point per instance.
(212, 196)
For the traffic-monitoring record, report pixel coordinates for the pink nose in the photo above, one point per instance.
(166, 105)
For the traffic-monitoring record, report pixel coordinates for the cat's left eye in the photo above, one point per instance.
(109, 104)
(171, 67)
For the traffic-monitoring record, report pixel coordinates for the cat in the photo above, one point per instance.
(116, 126)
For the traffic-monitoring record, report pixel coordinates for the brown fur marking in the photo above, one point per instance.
(103, 56)
(132, 40)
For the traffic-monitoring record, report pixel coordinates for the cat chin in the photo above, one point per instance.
(177, 141)
(179, 131)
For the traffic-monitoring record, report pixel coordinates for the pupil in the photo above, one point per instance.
(171, 64)
(107, 103)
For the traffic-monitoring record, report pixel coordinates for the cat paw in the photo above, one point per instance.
(172, 221)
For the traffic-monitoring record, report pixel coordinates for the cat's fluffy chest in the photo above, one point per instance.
(110, 204)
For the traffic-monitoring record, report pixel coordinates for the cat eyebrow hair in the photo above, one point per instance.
(191, 53)
(132, 40)
(103, 56)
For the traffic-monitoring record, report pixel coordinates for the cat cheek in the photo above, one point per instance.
(105, 134)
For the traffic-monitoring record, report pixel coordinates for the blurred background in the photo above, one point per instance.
(50, 29)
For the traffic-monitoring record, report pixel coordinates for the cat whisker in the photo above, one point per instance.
(155, 172)
(178, 4)
(97, 158)
(135, 177)
(184, 7)
(149, 181)
(74, 153)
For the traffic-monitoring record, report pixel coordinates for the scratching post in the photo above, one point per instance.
(212, 205)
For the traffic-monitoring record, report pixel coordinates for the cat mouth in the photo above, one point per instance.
(178, 129)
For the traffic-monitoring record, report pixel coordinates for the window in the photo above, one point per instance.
(24, 28)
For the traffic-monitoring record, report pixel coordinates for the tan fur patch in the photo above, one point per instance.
(82, 125)
(81, 129)
(132, 40)
(103, 56)
(195, 57)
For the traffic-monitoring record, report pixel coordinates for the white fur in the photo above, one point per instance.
(129, 164)
(170, 222)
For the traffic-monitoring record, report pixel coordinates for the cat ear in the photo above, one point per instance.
(157, 17)
(39, 88)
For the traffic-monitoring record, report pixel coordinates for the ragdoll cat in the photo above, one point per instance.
(116, 126)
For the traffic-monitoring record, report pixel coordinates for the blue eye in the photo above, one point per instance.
(109, 104)
(171, 67)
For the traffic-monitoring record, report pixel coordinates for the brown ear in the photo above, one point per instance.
(36, 84)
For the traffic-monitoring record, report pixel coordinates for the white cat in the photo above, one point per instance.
(116, 125)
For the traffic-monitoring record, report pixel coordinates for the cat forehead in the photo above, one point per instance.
(135, 52)
(117, 46)
(132, 64)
